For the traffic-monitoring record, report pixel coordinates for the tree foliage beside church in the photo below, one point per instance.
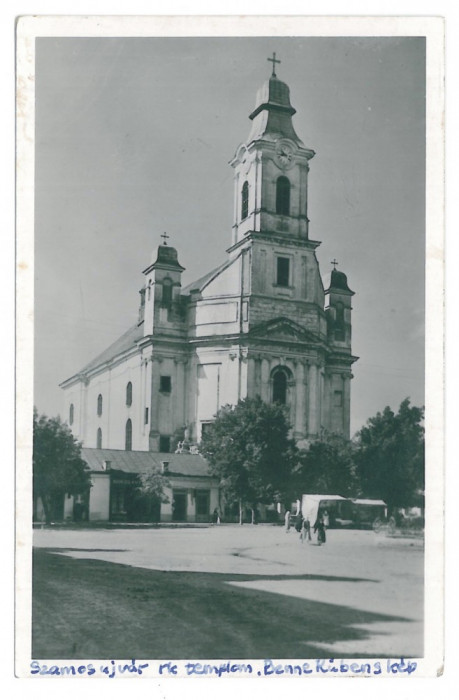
(390, 455)
(58, 468)
(249, 449)
(328, 467)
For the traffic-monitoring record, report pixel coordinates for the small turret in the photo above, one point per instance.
(338, 308)
(161, 293)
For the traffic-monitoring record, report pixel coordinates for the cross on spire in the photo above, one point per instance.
(334, 263)
(274, 60)
(164, 235)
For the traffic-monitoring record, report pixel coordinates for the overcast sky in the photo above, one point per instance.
(133, 138)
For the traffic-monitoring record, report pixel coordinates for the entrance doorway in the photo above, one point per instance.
(179, 506)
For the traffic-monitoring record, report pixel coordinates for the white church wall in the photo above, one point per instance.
(226, 283)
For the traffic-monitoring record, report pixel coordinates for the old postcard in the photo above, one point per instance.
(229, 284)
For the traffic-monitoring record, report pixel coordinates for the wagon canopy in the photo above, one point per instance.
(311, 502)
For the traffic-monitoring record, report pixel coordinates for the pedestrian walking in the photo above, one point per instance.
(299, 523)
(287, 521)
(306, 530)
(320, 529)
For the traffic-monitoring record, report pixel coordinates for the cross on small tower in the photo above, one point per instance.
(164, 235)
(334, 263)
(274, 60)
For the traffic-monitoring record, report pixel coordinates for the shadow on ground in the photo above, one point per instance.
(90, 609)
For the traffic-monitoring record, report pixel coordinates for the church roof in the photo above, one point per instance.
(124, 343)
(200, 283)
(139, 462)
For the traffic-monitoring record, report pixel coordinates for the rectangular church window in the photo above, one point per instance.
(165, 384)
(146, 416)
(338, 398)
(283, 272)
(164, 443)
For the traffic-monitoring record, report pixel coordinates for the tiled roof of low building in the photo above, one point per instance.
(139, 462)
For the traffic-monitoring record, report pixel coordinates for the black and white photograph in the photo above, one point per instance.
(226, 240)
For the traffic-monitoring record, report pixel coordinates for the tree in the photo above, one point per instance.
(57, 465)
(390, 455)
(328, 467)
(146, 496)
(249, 449)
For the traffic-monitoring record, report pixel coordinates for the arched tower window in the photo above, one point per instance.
(128, 441)
(129, 394)
(99, 439)
(245, 200)
(283, 195)
(280, 378)
(99, 405)
(71, 410)
(167, 292)
(339, 322)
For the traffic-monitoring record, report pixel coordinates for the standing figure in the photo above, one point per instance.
(320, 529)
(216, 517)
(326, 520)
(287, 521)
(306, 530)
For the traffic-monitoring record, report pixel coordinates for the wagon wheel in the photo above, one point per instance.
(377, 525)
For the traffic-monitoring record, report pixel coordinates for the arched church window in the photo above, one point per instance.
(128, 441)
(129, 394)
(71, 414)
(339, 321)
(245, 200)
(99, 439)
(99, 405)
(280, 377)
(149, 290)
(167, 292)
(283, 195)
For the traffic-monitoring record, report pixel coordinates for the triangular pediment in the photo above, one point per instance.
(283, 329)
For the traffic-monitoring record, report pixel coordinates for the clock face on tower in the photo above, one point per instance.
(285, 154)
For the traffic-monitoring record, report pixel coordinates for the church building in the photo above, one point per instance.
(261, 323)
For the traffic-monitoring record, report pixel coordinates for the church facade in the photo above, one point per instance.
(262, 323)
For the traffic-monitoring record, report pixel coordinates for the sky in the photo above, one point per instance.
(133, 138)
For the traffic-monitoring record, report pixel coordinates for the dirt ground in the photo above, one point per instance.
(271, 582)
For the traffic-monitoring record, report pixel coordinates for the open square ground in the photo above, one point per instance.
(225, 592)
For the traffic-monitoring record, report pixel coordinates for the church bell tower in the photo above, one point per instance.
(271, 169)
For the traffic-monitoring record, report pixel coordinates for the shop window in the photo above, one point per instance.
(202, 502)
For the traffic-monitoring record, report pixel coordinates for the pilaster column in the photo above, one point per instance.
(314, 416)
(154, 411)
(300, 417)
(347, 405)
